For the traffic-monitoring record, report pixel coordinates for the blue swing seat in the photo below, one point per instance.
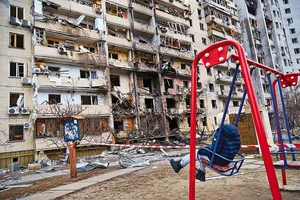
(228, 170)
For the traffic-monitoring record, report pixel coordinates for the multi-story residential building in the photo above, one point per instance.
(290, 16)
(124, 65)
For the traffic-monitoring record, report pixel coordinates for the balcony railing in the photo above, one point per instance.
(49, 54)
(119, 63)
(93, 10)
(65, 83)
(119, 21)
(171, 18)
(143, 27)
(181, 37)
(58, 28)
(176, 53)
(119, 42)
(227, 79)
(223, 94)
(142, 9)
(145, 47)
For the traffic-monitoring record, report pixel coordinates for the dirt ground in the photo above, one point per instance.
(158, 181)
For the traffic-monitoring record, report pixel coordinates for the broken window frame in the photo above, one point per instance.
(16, 132)
(55, 43)
(13, 40)
(118, 125)
(13, 99)
(54, 99)
(214, 104)
(17, 12)
(89, 100)
(50, 127)
(113, 83)
(19, 70)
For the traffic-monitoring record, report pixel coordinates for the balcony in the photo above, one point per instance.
(119, 42)
(119, 63)
(216, 6)
(182, 37)
(226, 80)
(123, 3)
(143, 27)
(176, 53)
(176, 4)
(78, 8)
(219, 34)
(64, 83)
(114, 20)
(223, 94)
(45, 109)
(142, 9)
(49, 54)
(66, 30)
(172, 18)
(144, 47)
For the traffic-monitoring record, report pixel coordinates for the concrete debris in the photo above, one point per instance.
(126, 162)
(85, 167)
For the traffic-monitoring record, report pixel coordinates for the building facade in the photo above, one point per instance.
(124, 65)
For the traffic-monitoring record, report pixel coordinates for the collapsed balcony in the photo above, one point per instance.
(144, 42)
(143, 22)
(117, 14)
(145, 62)
(56, 49)
(176, 67)
(173, 47)
(173, 14)
(119, 37)
(147, 85)
(119, 58)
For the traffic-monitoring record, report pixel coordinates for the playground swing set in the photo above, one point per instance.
(215, 54)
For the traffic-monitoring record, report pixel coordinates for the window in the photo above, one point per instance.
(214, 104)
(290, 20)
(168, 84)
(16, 12)
(235, 103)
(294, 40)
(54, 98)
(208, 72)
(89, 100)
(287, 11)
(16, 132)
(274, 13)
(195, 52)
(16, 69)
(52, 43)
(118, 125)
(16, 40)
(215, 119)
(199, 12)
(285, 1)
(201, 27)
(204, 41)
(88, 74)
(297, 50)
(279, 37)
(202, 104)
(115, 80)
(276, 24)
(191, 22)
(149, 103)
(204, 123)
(183, 66)
(186, 84)
(211, 87)
(284, 61)
(113, 56)
(193, 38)
(16, 100)
(298, 61)
(292, 31)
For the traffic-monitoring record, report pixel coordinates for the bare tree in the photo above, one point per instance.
(4, 140)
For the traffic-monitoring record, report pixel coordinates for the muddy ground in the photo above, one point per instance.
(158, 181)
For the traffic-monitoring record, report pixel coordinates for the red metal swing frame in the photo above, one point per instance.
(217, 54)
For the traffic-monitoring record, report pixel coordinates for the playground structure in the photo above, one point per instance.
(215, 54)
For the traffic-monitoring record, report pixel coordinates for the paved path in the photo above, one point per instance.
(66, 189)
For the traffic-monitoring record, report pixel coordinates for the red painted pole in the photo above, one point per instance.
(256, 116)
(283, 172)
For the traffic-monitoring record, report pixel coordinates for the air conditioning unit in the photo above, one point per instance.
(15, 21)
(62, 49)
(36, 71)
(26, 23)
(99, 11)
(25, 111)
(27, 125)
(26, 80)
(14, 110)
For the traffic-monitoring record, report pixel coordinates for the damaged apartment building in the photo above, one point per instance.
(124, 66)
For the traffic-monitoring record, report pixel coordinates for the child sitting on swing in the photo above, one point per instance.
(228, 146)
